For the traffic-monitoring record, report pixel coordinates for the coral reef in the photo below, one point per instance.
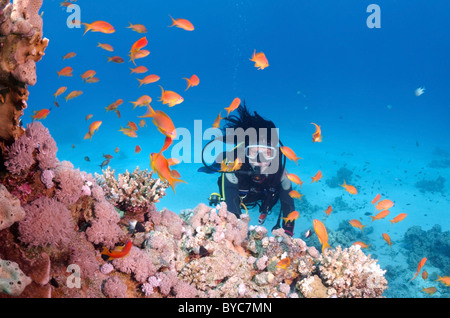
(437, 185)
(341, 175)
(21, 46)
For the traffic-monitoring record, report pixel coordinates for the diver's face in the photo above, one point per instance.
(260, 156)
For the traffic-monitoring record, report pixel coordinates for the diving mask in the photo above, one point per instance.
(268, 152)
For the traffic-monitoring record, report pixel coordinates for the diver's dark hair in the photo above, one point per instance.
(246, 120)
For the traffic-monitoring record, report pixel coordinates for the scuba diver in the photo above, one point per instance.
(259, 178)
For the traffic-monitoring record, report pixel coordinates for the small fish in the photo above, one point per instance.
(137, 149)
(387, 238)
(349, 188)
(69, 55)
(137, 46)
(192, 81)
(284, 263)
(108, 156)
(398, 218)
(138, 70)
(93, 127)
(444, 280)
(384, 205)
(139, 28)
(115, 59)
(308, 233)
(118, 252)
(142, 123)
(328, 210)
(99, 26)
(362, 244)
(56, 103)
(60, 91)
(216, 123)
(377, 197)
(104, 163)
(88, 74)
(132, 125)
(380, 215)
(113, 106)
(92, 80)
(294, 178)
(40, 114)
(160, 166)
(139, 54)
(295, 194)
(419, 267)
(182, 24)
(162, 121)
(106, 46)
(72, 95)
(87, 158)
(430, 290)
(289, 153)
(424, 275)
(169, 97)
(317, 135)
(66, 71)
(291, 217)
(317, 177)
(233, 106)
(116, 150)
(260, 60)
(321, 233)
(128, 132)
(357, 224)
(152, 78)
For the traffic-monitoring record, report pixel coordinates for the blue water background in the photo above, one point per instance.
(326, 66)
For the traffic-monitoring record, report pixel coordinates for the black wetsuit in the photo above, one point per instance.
(266, 189)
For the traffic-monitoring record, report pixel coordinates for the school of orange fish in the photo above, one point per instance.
(162, 166)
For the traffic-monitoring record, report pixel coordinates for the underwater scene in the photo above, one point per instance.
(222, 149)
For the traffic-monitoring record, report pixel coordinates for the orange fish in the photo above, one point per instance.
(162, 121)
(69, 55)
(139, 54)
(139, 28)
(160, 166)
(115, 59)
(380, 215)
(92, 80)
(260, 60)
(116, 150)
(377, 197)
(40, 114)
(291, 217)
(398, 218)
(118, 252)
(66, 71)
(132, 125)
(114, 105)
(142, 123)
(60, 91)
(349, 188)
(317, 135)
(73, 94)
(328, 210)
(430, 290)
(317, 176)
(99, 26)
(137, 149)
(88, 74)
(357, 224)
(387, 238)
(148, 79)
(419, 267)
(424, 275)
(128, 132)
(295, 194)
(444, 280)
(182, 24)
(106, 47)
(362, 244)
(170, 98)
(294, 178)
(137, 46)
(233, 106)
(144, 100)
(289, 153)
(321, 233)
(191, 82)
(138, 70)
(93, 127)
(89, 116)
(384, 205)
(216, 123)
(284, 263)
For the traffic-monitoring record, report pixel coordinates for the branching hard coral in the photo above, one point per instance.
(351, 273)
(133, 193)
